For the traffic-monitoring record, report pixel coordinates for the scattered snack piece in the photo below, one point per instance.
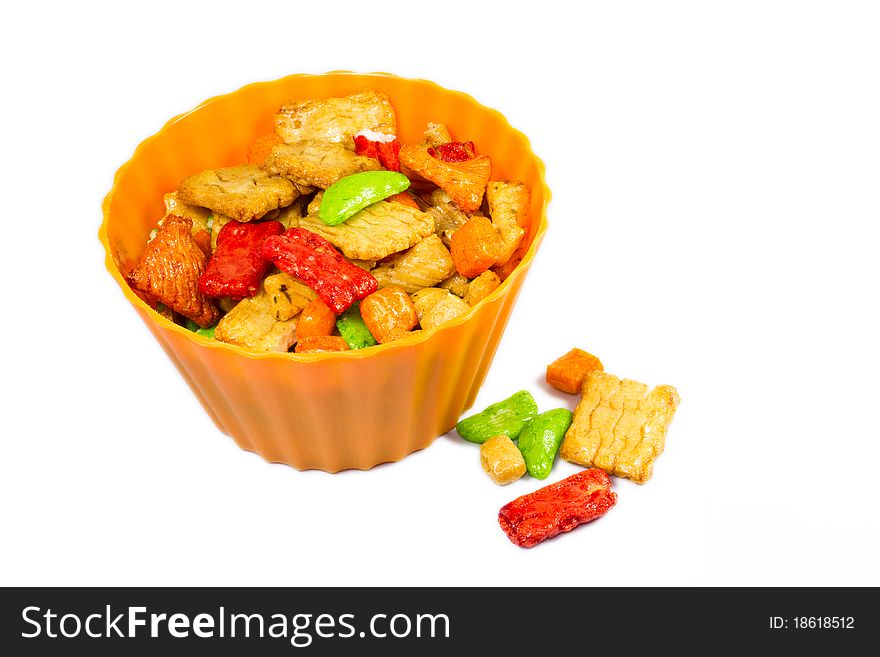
(252, 324)
(474, 247)
(567, 373)
(445, 309)
(465, 182)
(319, 344)
(309, 163)
(353, 329)
(557, 508)
(260, 148)
(237, 265)
(457, 284)
(508, 208)
(539, 440)
(389, 314)
(168, 271)
(315, 321)
(481, 287)
(424, 265)
(313, 260)
(336, 119)
(618, 427)
(501, 460)
(288, 296)
(508, 417)
(243, 192)
(375, 232)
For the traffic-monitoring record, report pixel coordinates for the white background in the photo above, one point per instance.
(715, 171)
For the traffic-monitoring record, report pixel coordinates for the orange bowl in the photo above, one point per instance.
(329, 411)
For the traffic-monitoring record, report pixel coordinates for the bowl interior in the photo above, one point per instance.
(218, 132)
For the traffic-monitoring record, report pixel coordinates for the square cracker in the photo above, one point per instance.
(375, 232)
(313, 163)
(253, 323)
(336, 119)
(243, 192)
(619, 426)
